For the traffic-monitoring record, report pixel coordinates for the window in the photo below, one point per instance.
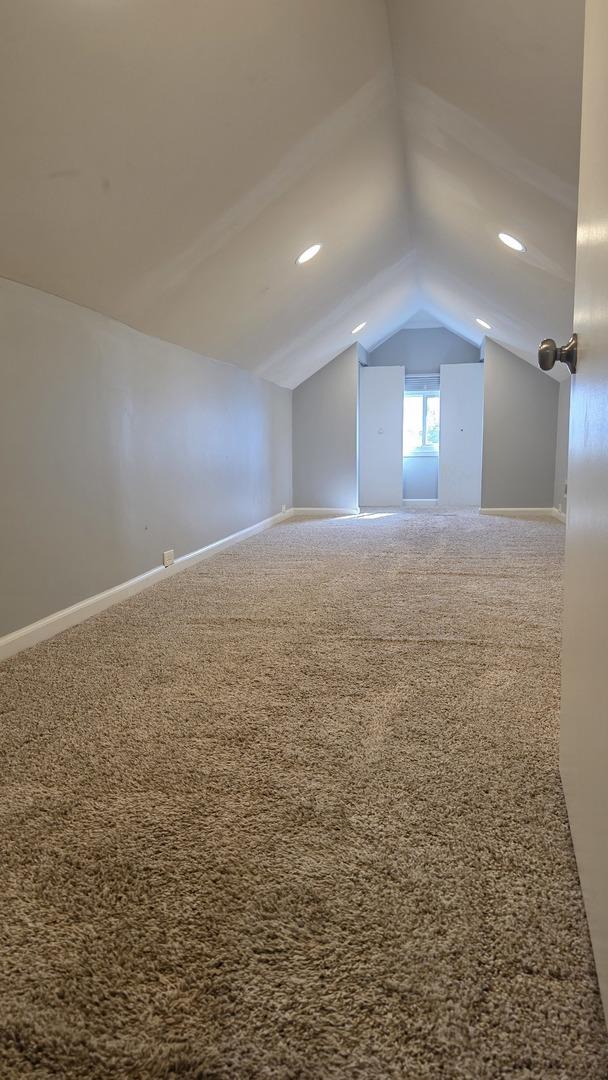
(420, 421)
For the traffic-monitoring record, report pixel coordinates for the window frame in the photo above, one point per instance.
(426, 449)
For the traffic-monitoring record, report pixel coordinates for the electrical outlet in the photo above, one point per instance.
(168, 557)
(283, 507)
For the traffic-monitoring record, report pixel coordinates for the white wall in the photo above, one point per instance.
(461, 434)
(519, 432)
(381, 436)
(115, 446)
(325, 435)
(422, 351)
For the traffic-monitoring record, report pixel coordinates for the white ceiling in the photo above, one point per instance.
(164, 161)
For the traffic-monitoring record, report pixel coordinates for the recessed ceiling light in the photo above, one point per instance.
(511, 241)
(309, 254)
(483, 323)
(358, 328)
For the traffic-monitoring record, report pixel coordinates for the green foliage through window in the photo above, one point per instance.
(421, 417)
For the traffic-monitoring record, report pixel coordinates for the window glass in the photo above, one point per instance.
(431, 432)
(420, 422)
(412, 423)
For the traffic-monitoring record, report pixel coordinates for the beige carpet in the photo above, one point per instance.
(296, 813)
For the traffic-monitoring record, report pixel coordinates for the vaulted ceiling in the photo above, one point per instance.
(165, 161)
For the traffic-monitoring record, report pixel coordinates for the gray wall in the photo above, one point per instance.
(519, 432)
(561, 449)
(325, 423)
(115, 446)
(420, 476)
(422, 351)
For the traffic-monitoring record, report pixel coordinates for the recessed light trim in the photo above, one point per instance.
(482, 322)
(309, 254)
(359, 327)
(512, 242)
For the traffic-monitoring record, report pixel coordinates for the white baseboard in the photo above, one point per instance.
(325, 511)
(54, 624)
(522, 511)
(559, 514)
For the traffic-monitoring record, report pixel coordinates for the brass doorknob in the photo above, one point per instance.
(549, 353)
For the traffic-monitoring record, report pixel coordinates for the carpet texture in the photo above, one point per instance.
(296, 813)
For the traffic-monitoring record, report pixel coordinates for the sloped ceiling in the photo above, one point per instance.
(164, 162)
(490, 95)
